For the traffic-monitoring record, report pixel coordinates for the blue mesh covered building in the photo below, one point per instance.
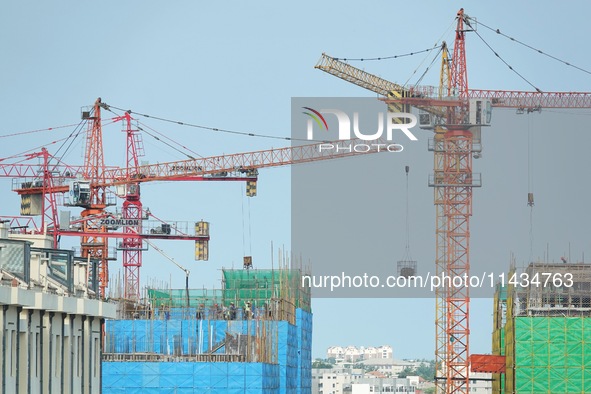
(252, 336)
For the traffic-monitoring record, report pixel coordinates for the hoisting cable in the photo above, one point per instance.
(498, 31)
(242, 197)
(249, 229)
(501, 59)
(407, 256)
(530, 192)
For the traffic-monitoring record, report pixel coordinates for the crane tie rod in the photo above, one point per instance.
(36, 131)
(498, 31)
(217, 129)
(364, 59)
(503, 60)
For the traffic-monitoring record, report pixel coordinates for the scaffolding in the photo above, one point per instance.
(557, 289)
(208, 355)
(246, 294)
(241, 322)
(498, 335)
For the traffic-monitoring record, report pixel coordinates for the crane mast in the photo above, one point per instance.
(457, 186)
(440, 226)
(132, 211)
(94, 199)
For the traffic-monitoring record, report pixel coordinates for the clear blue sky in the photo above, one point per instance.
(236, 65)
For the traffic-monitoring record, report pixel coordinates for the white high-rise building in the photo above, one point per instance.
(353, 353)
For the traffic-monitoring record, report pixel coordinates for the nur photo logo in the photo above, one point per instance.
(348, 128)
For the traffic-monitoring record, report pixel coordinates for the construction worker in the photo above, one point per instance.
(247, 310)
(232, 311)
(200, 311)
(267, 310)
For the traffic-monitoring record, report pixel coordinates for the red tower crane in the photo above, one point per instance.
(132, 211)
(93, 244)
(88, 186)
(462, 112)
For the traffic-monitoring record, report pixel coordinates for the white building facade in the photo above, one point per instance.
(353, 353)
(51, 320)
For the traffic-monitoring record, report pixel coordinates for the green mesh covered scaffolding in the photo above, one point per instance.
(262, 285)
(273, 293)
(545, 332)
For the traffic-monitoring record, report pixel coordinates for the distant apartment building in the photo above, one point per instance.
(388, 366)
(351, 380)
(334, 380)
(354, 354)
(480, 383)
(386, 385)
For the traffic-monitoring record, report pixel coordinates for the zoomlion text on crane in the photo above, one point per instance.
(393, 121)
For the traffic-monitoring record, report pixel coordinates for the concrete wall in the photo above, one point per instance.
(49, 352)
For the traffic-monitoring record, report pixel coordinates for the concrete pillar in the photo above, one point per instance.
(76, 341)
(54, 380)
(9, 356)
(84, 352)
(67, 352)
(23, 351)
(3, 349)
(46, 349)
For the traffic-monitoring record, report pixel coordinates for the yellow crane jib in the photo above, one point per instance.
(394, 94)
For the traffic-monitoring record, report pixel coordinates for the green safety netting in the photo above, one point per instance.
(552, 354)
(262, 285)
(178, 297)
(239, 286)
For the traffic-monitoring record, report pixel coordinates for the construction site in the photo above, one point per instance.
(253, 335)
(80, 315)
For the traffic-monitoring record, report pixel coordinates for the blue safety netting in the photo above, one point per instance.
(289, 372)
(190, 377)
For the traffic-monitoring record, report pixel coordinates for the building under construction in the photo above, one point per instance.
(543, 328)
(254, 335)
